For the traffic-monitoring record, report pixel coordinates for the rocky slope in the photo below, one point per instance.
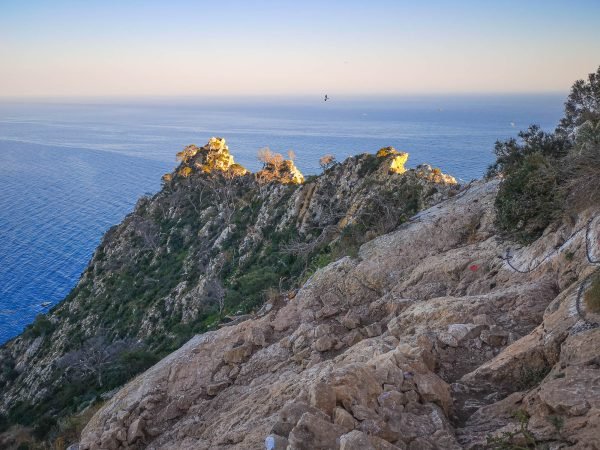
(213, 245)
(427, 338)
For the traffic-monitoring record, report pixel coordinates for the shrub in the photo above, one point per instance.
(41, 326)
(370, 164)
(588, 135)
(276, 168)
(137, 361)
(251, 286)
(528, 199)
(511, 154)
(531, 377)
(547, 174)
(583, 104)
(71, 427)
(558, 422)
(185, 172)
(386, 151)
(592, 295)
(43, 426)
(581, 188)
(327, 161)
(521, 439)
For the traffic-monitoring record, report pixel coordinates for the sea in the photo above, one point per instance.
(72, 168)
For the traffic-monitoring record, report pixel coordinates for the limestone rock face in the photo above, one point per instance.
(433, 174)
(213, 157)
(396, 159)
(284, 172)
(426, 340)
(162, 270)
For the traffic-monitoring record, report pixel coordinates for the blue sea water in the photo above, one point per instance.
(70, 170)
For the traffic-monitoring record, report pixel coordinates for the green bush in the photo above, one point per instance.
(528, 199)
(43, 426)
(370, 164)
(582, 105)
(548, 174)
(42, 326)
(521, 439)
(531, 377)
(512, 153)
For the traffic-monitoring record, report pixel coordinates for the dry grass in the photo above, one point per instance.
(71, 427)
(471, 232)
(592, 295)
(582, 172)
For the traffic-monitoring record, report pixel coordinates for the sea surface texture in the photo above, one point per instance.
(71, 170)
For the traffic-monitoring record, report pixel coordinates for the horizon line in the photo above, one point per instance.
(342, 96)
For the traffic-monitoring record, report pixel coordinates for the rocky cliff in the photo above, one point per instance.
(211, 248)
(437, 335)
(370, 307)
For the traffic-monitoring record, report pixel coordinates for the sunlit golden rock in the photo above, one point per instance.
(429, 173)
(398, 159)
(238, 170)
(386, 151)
(185, 172)
(217, 144)
(214, 156)
(187, 153)
(291, 173)
(277, 169)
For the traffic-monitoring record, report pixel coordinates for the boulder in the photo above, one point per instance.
(392, 400)
(343, 418)
(350, 320)
(290, 414)
(433, 389)
(135, 431)
(314, 433)
(238, 354)
(495, 336)
(214, 389)
(355, 440)
(373, 330)
(275, 442)
(322, 397)
(457, 333)
(323, 344)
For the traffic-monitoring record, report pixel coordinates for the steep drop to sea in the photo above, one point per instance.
(369, 307)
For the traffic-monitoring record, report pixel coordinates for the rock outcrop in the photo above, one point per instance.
(284, 172)
(398, 159)
(213, 157)
(205, 252)
(427, 339)
(330, 314)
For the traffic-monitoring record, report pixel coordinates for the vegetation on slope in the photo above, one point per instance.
(548, 174)
(215, 241)
(592, 295)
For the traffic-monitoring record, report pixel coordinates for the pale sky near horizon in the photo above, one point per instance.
(234, 47)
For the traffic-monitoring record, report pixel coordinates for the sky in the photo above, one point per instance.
(64, 48)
